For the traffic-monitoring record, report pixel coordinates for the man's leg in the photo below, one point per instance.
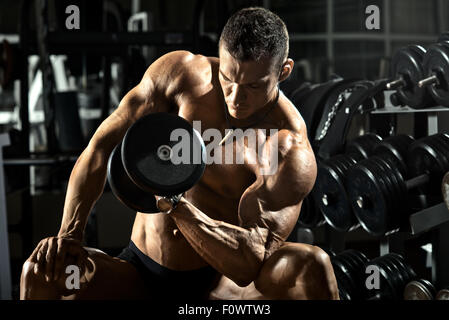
(295, 271)
(105, 277)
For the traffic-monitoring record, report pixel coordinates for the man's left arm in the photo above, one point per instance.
(268, 211)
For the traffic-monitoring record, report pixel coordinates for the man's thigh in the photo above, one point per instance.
(106, 277)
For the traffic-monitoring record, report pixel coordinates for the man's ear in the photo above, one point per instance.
(287, 68)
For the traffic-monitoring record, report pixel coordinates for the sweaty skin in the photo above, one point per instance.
(234, 218)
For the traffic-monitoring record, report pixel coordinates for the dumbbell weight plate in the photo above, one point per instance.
(423, 158)
(363, 145)
(416, 290)
(400, 267)
(443, 294)
(436, 62)
(399, 278)
(385, 172)
(396, 148)
(386, 288)
(330, 193)
(362, 181)
(406, 63)
(391, 280)
(357, 272)
(310, 216)
(153, 160)
(405, 266)
(399, 191)
(342, 275)
(124, 189)
(445, 189)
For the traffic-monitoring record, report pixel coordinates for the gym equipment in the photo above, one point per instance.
(363, 145)
(161, 154)
(443, 294)
(349, 269)
(445, 189)
(330, 192)
(407, 70)
(436, 76)
(378, 192)
(394, 274)
(419, 289)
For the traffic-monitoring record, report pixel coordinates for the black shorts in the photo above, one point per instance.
(163, 283)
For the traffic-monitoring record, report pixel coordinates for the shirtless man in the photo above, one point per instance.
(226, 237)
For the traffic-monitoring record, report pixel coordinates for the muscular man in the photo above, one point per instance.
(226, 237)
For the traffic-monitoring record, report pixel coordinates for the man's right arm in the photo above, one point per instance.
(156, 92)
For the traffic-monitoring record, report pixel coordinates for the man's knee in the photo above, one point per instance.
(298, 271)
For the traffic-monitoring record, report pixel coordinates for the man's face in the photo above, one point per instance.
(247, 86)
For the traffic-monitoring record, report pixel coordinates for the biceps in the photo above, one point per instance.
(267, 215)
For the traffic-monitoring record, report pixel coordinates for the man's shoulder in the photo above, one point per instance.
(185, 62)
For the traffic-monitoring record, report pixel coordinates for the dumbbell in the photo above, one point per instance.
(445, 189)
(436, 72)
(310, 216)
(378, 192)
(406, 71)
(141, 165)
(349, 270)
(443, 294)
(419, 289)
(394, 274)
(329, 191)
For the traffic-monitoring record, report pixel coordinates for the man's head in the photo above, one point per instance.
(253, 52)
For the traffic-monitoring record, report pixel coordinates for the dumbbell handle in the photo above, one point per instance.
(396, 84)
(427, 81)
(410, 184)
(417, 181)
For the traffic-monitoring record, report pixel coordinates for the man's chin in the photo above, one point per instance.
(240, 114)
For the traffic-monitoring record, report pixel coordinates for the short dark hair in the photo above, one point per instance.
(254, 33)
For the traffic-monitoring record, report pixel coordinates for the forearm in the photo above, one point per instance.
(234, 251)
(85, 186)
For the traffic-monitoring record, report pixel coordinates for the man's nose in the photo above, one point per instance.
(237, 94)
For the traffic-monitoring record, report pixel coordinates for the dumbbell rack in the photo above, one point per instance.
(434, 218)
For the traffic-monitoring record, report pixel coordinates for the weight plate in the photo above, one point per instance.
(396, 147)
(330, 196)
(445, 189)
(396, 180)
(310, 216)
(363, 145)
(342, 274)
(415, 290)
(370, 212)
(399, 280)
(401, 261)
(357, 272)
(407, 64)
(382, 182)
(391, 280)
(443, 294)
(401, 268)
(386, 289)
(162, 153)
(423, 158)
(124, 189)
(436, 62)
(385, 172)
(440, 149)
